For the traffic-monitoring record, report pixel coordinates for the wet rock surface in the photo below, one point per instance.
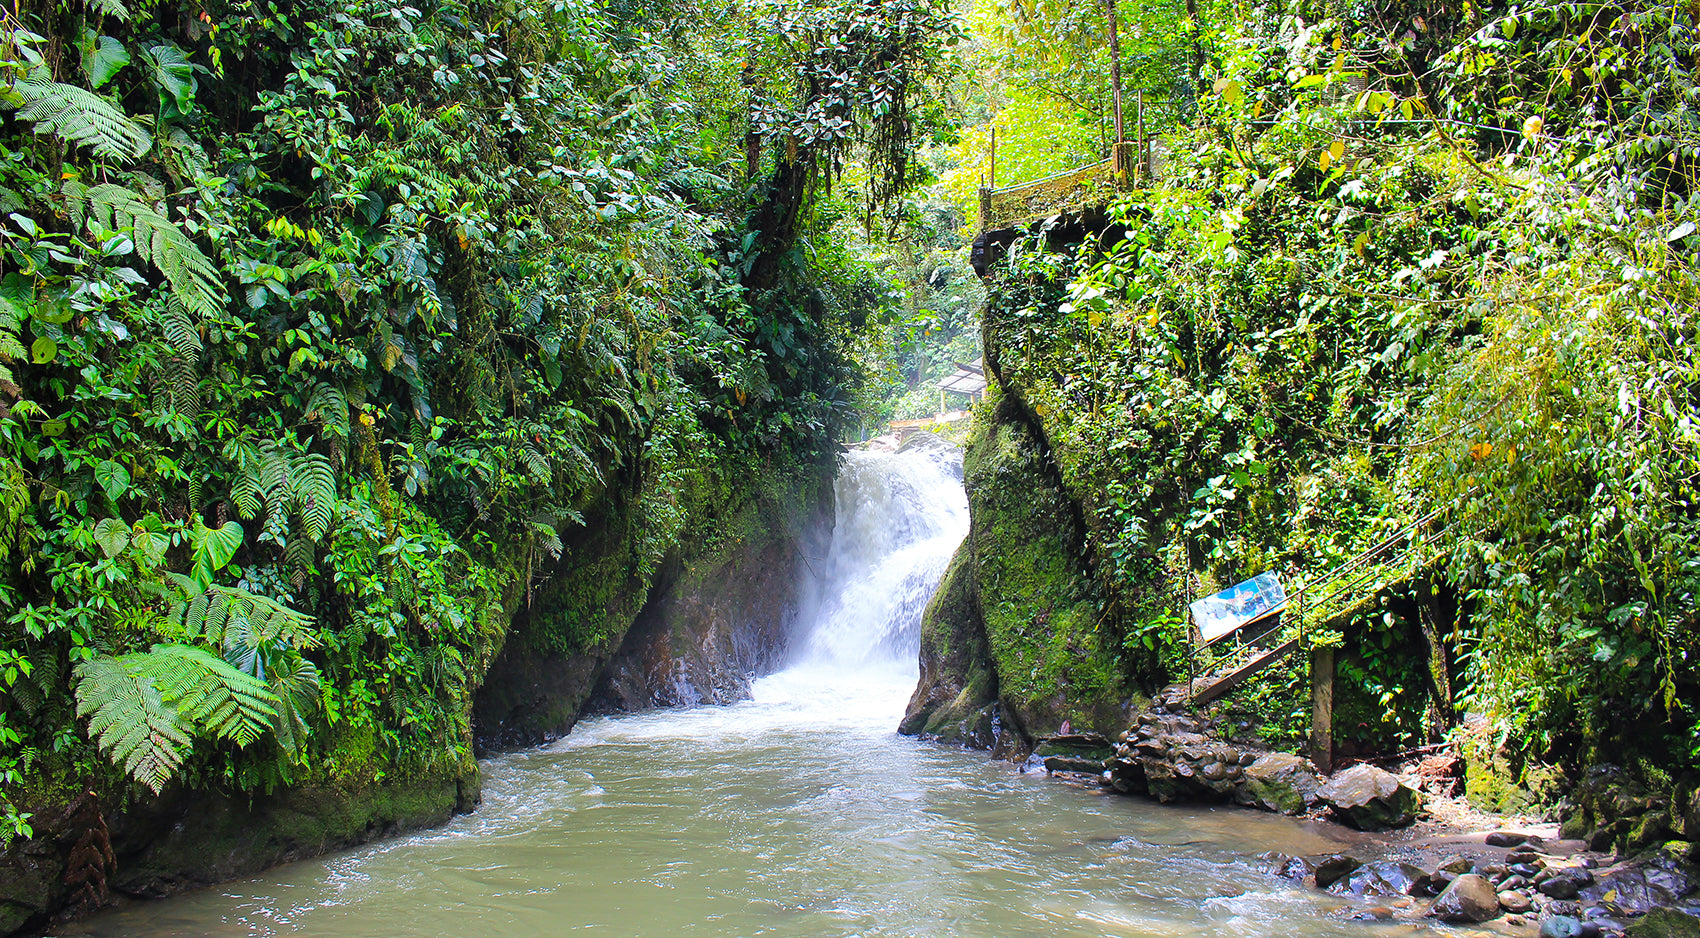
(1510, 891)
(1469, 898)
(1281, 782)
(1370, 799)
(1381, 878)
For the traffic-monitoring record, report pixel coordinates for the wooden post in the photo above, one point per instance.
(1142, 156)
(1322, 708)
(1115, 72)
(994, 184)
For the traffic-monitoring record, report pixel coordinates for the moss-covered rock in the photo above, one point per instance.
(1037, 598)
(955, 698)
(190, 839)
(643, 595)
(1664, 923)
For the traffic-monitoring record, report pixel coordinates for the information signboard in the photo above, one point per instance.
(1238, 606)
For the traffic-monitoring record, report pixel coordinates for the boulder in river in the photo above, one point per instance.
(1281, 782)
(1370, 799)
(1331, 868)
(1470, 898)
(1380, 878)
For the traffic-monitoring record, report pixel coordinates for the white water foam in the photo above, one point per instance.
(900, 517)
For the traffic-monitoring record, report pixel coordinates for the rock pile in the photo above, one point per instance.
(1171, 755)
(1572, 897)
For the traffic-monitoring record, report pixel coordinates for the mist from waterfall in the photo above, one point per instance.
(900, 517)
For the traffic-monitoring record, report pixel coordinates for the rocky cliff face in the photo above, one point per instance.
(717, 615)
(1009, 646)
(715, 624)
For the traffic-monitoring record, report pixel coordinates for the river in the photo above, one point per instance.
(799, 812)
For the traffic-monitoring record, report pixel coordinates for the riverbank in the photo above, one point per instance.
(1480, 872)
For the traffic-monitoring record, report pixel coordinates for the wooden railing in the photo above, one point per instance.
(1068, 191)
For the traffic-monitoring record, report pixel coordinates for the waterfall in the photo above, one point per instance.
(900, 516)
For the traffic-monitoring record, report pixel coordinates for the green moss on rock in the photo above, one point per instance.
(1038, 601)
(956, 695)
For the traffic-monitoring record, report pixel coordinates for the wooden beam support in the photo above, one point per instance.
(1322, 708)
(1239, 675)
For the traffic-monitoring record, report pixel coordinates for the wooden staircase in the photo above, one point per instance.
(1318, 604)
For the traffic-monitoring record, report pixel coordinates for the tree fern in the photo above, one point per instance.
(130, 719)
(209, 692)
(194, 279)
(83, 118)
(227, 617)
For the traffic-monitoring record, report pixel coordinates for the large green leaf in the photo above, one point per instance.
(113, 477)
(103, 57)
(215, 546)
(174, 77)
(112, 535)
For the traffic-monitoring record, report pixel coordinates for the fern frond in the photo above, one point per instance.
(273, 476)
(537, 464)
(184, 386)
(329, 406)
(313, 485)
(194, 279)
(83, 118)
(211, 693)
(246, 494)
(180, 330)
(548, 539)
(112, 8)
(296, 686)
(130, 720)
(225, 615)
(298, 553)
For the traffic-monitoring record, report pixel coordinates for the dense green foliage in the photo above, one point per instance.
(325, 327)
(1402, 261)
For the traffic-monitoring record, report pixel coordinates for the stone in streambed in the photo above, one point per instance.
(1568, 926)
(1565, 884)
(1470, 898)
(1370, 799)
(1506, 839)
(1281, 782)
(1515, 901)
(1381, 878)
(1330, 869)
